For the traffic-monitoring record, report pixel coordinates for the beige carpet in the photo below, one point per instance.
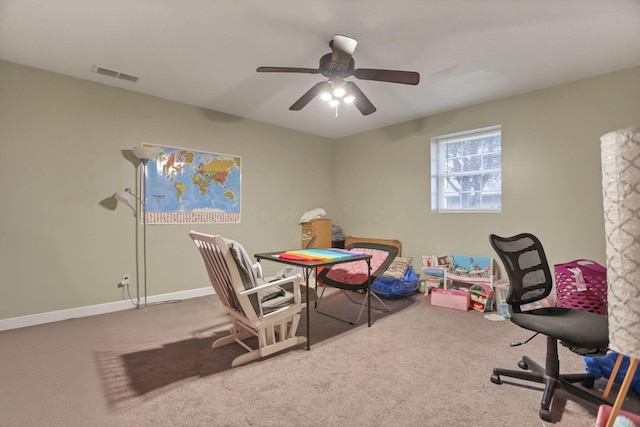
(419, 365)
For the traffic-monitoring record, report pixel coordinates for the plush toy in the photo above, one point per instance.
(622, 421)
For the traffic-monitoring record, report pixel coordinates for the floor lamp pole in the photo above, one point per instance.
(144, 227)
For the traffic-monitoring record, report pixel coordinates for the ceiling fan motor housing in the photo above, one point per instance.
(331, 69)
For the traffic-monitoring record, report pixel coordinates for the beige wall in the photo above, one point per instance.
(64, 143)
(65, 243)
(551, 172)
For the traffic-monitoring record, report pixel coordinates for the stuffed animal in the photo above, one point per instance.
(603, 366)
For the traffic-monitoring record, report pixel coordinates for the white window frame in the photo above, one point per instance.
(439, 170)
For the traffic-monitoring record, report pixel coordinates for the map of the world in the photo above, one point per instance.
(184, 187)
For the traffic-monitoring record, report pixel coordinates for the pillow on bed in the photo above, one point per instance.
(398, 267)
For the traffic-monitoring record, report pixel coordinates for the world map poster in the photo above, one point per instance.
(183, 186)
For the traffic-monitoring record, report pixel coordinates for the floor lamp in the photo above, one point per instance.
(144, 154)
(125, 197)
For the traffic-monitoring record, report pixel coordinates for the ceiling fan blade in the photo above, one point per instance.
(391, 76)
(287, 70)
(362, 102)
(343, 48)
(311, 93)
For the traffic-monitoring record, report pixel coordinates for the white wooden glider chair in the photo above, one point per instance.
(269, 311)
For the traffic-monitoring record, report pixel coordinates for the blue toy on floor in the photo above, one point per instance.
(603, 366)
(388, 287)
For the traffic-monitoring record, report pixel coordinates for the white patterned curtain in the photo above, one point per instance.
(620, 151)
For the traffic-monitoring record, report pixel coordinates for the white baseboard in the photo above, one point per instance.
(92, 310)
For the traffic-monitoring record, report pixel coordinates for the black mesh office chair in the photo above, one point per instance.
(530, 280)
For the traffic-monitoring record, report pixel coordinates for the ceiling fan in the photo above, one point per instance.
(337, 66)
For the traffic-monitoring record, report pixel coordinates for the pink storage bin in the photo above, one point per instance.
(450, 298)
(605, 410)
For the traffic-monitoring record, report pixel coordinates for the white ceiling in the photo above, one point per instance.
(205, 52)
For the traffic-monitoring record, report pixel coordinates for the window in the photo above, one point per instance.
(466, 171)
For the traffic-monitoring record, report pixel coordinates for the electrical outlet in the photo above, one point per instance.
(124, 281)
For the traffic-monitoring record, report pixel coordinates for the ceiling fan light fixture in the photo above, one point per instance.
(325, 96)
(349, 99)
(339, 91)
(334, 102)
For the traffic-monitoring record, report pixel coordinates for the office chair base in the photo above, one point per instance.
(552, 380)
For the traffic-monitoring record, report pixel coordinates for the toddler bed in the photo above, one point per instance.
(396, 280)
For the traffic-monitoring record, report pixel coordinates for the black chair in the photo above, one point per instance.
(382, 256)
(530, 280)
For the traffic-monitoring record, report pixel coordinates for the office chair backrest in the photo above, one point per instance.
(526, 265)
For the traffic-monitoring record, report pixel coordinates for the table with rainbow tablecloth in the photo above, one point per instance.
(312, 259)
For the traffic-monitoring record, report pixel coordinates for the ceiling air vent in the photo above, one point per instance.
(116, 74)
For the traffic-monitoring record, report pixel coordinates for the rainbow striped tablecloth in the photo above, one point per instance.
(317, 254)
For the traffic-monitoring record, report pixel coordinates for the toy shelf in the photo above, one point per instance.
(481, 297)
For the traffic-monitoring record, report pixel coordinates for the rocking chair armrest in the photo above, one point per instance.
(257, 267)
(295, 280)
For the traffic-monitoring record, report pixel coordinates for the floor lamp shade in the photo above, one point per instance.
(620, 152)
(123, 196)
(144, 153)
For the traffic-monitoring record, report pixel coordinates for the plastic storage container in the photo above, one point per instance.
(502, 290)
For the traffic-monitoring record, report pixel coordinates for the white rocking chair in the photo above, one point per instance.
(253, 309)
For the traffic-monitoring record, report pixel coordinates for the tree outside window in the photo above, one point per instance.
(467, 171)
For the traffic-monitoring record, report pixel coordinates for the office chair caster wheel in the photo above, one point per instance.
(545, 415)
(523, 365)
(495, 378)
(588, 383)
